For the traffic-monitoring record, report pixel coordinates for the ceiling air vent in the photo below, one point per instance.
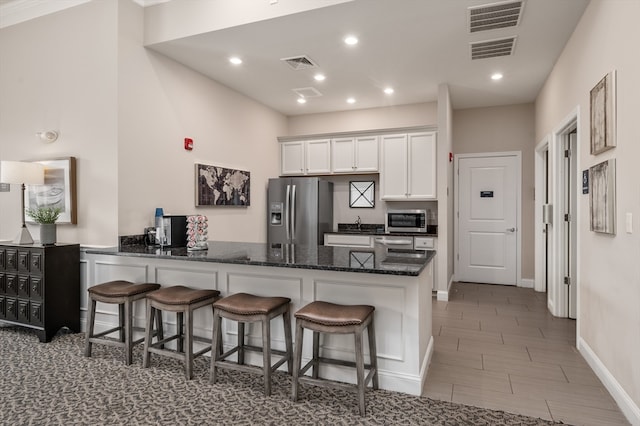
(494, 16)
(299, 62)
(307, 92)
(493, 48)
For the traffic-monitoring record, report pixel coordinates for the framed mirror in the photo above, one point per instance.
(362, 194)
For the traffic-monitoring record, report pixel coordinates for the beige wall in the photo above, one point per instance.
(608, 267)
(123, 112)
(160, 103)
(498, 129)
(58, 72)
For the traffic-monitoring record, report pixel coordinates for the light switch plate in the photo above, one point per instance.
(629, 223)
(5, 187)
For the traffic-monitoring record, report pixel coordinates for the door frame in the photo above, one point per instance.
(557, 296)
(456, 226)
(541, 271)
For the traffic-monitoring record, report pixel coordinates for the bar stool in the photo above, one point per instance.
(247, 308)
(183, 301)
(124, 293)
(324, 317)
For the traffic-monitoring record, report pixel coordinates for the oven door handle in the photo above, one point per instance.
(393, 242)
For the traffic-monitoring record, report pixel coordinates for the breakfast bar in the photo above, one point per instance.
(398, 286)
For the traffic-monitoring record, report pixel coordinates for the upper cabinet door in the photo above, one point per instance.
(342, 155)
(292, 158)
(422, 166)
(318, 157)
(393, 173)
(366, 154)
(408, 170)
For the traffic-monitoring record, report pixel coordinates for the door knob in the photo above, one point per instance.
(511, 229)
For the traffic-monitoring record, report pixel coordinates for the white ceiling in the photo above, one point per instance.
(411, 45)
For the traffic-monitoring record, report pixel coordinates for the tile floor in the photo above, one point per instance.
(498, 347)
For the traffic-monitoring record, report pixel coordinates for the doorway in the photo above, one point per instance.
(488, 215)
(556, 239)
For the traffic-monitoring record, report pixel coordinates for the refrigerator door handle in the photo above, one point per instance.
(293, 213)
(287, 212)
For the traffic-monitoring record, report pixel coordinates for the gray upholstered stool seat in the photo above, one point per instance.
(248, 308)
(325, 317)
(183, 301)
(122, 293)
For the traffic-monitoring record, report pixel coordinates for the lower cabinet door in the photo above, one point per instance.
(12, 309)
(24, 312)
(37, 314)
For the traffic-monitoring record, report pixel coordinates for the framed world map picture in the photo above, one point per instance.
(219, 186)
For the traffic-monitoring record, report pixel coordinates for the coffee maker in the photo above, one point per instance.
(172, 231)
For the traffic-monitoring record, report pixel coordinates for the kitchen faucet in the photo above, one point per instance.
(359, 223)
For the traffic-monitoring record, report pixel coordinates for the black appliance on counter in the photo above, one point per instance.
(172, 231)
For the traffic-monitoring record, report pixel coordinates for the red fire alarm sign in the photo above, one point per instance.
(188, 144)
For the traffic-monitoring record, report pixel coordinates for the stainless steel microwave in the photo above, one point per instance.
(406, 220)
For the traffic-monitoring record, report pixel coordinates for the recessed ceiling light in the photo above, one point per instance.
(388, 90)
(319, 77)
(302, 101)
(235, 60)
(351, 100)
(496, 76)
(351, 40)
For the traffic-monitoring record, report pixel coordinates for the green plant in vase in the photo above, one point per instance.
(46, 217)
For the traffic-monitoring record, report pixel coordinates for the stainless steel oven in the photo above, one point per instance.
(406, 221)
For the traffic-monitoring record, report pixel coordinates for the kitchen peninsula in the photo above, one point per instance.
(399, 288)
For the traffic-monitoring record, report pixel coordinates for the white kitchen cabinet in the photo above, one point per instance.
(408, 170)
(354, 154)
(311, 157)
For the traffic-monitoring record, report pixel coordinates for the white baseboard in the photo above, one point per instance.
(443, 295)
(622, 398)
(526, 283)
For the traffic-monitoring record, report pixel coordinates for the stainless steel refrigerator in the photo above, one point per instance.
(300, 210)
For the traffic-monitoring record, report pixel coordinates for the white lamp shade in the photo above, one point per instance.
(21, 172)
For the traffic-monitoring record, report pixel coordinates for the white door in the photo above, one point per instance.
(318, 157)
(393, 172)
(366, 152)
(488, 203)
(342, 155)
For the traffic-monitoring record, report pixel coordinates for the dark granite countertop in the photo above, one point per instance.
(378, 229)
(376, 260)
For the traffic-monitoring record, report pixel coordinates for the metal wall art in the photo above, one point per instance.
(362, 194)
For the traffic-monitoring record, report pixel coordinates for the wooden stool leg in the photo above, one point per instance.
(121, 322)
(159, 327)
(188, 352)
(297, 361)
(360, 370)
(148, 334)
(128, 331)
(240, 343)
(316, 355)
(90, 326)
(180, 332)
(215, 342)
(373, 354)
(266, 354)
(287, 339)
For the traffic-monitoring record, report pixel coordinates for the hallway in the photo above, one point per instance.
(498, 347)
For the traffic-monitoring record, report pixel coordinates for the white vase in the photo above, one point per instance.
(47, 233)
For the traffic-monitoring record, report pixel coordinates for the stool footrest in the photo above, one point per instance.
(230, 365)
(104, 333)
(326, 383)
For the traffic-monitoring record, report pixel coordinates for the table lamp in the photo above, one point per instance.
(23, 173)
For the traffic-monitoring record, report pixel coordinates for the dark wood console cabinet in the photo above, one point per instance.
(40, 287)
